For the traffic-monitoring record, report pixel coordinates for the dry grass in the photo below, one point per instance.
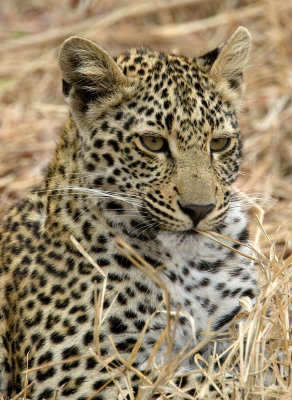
(33, 110)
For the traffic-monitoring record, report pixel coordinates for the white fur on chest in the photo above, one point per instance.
(206, 294)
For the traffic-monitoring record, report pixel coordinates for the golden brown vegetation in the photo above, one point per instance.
(33, 111)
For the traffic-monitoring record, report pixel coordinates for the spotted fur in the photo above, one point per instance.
(103, 179)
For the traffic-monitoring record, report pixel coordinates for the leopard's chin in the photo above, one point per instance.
(186, 240)
(187, 233)
(181, 235)
(180, 241)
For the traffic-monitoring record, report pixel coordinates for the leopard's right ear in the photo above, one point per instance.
(89, 73)
(228, 61)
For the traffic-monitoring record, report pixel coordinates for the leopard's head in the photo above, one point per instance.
(159, 130)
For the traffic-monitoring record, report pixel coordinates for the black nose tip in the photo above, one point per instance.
(197, 212)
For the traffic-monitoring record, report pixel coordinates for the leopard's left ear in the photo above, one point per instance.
(89, 73)
(229, 59)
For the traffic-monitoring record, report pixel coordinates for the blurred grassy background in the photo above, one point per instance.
(33, 109)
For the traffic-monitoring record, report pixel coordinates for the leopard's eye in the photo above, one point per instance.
(153, 143)
(219, 144)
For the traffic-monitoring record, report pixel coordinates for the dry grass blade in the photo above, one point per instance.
(149, 271)
(207, 23)
(86, 255)
(214, 21)
(48, 365)
(23, 392)
(209, 235)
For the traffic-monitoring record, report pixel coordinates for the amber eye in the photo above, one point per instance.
(153, 143)
(219, 144)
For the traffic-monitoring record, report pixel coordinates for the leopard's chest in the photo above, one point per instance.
(205, 291)
(205, 280)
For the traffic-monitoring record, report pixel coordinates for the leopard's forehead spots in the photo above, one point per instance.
(180, 99)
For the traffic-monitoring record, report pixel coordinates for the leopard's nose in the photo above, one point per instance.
(196, 211)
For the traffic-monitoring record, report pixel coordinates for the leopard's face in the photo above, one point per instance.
(166, 140)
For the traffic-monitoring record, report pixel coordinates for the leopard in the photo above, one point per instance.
(112, 255)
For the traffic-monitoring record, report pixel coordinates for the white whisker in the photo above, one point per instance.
(98, 193)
